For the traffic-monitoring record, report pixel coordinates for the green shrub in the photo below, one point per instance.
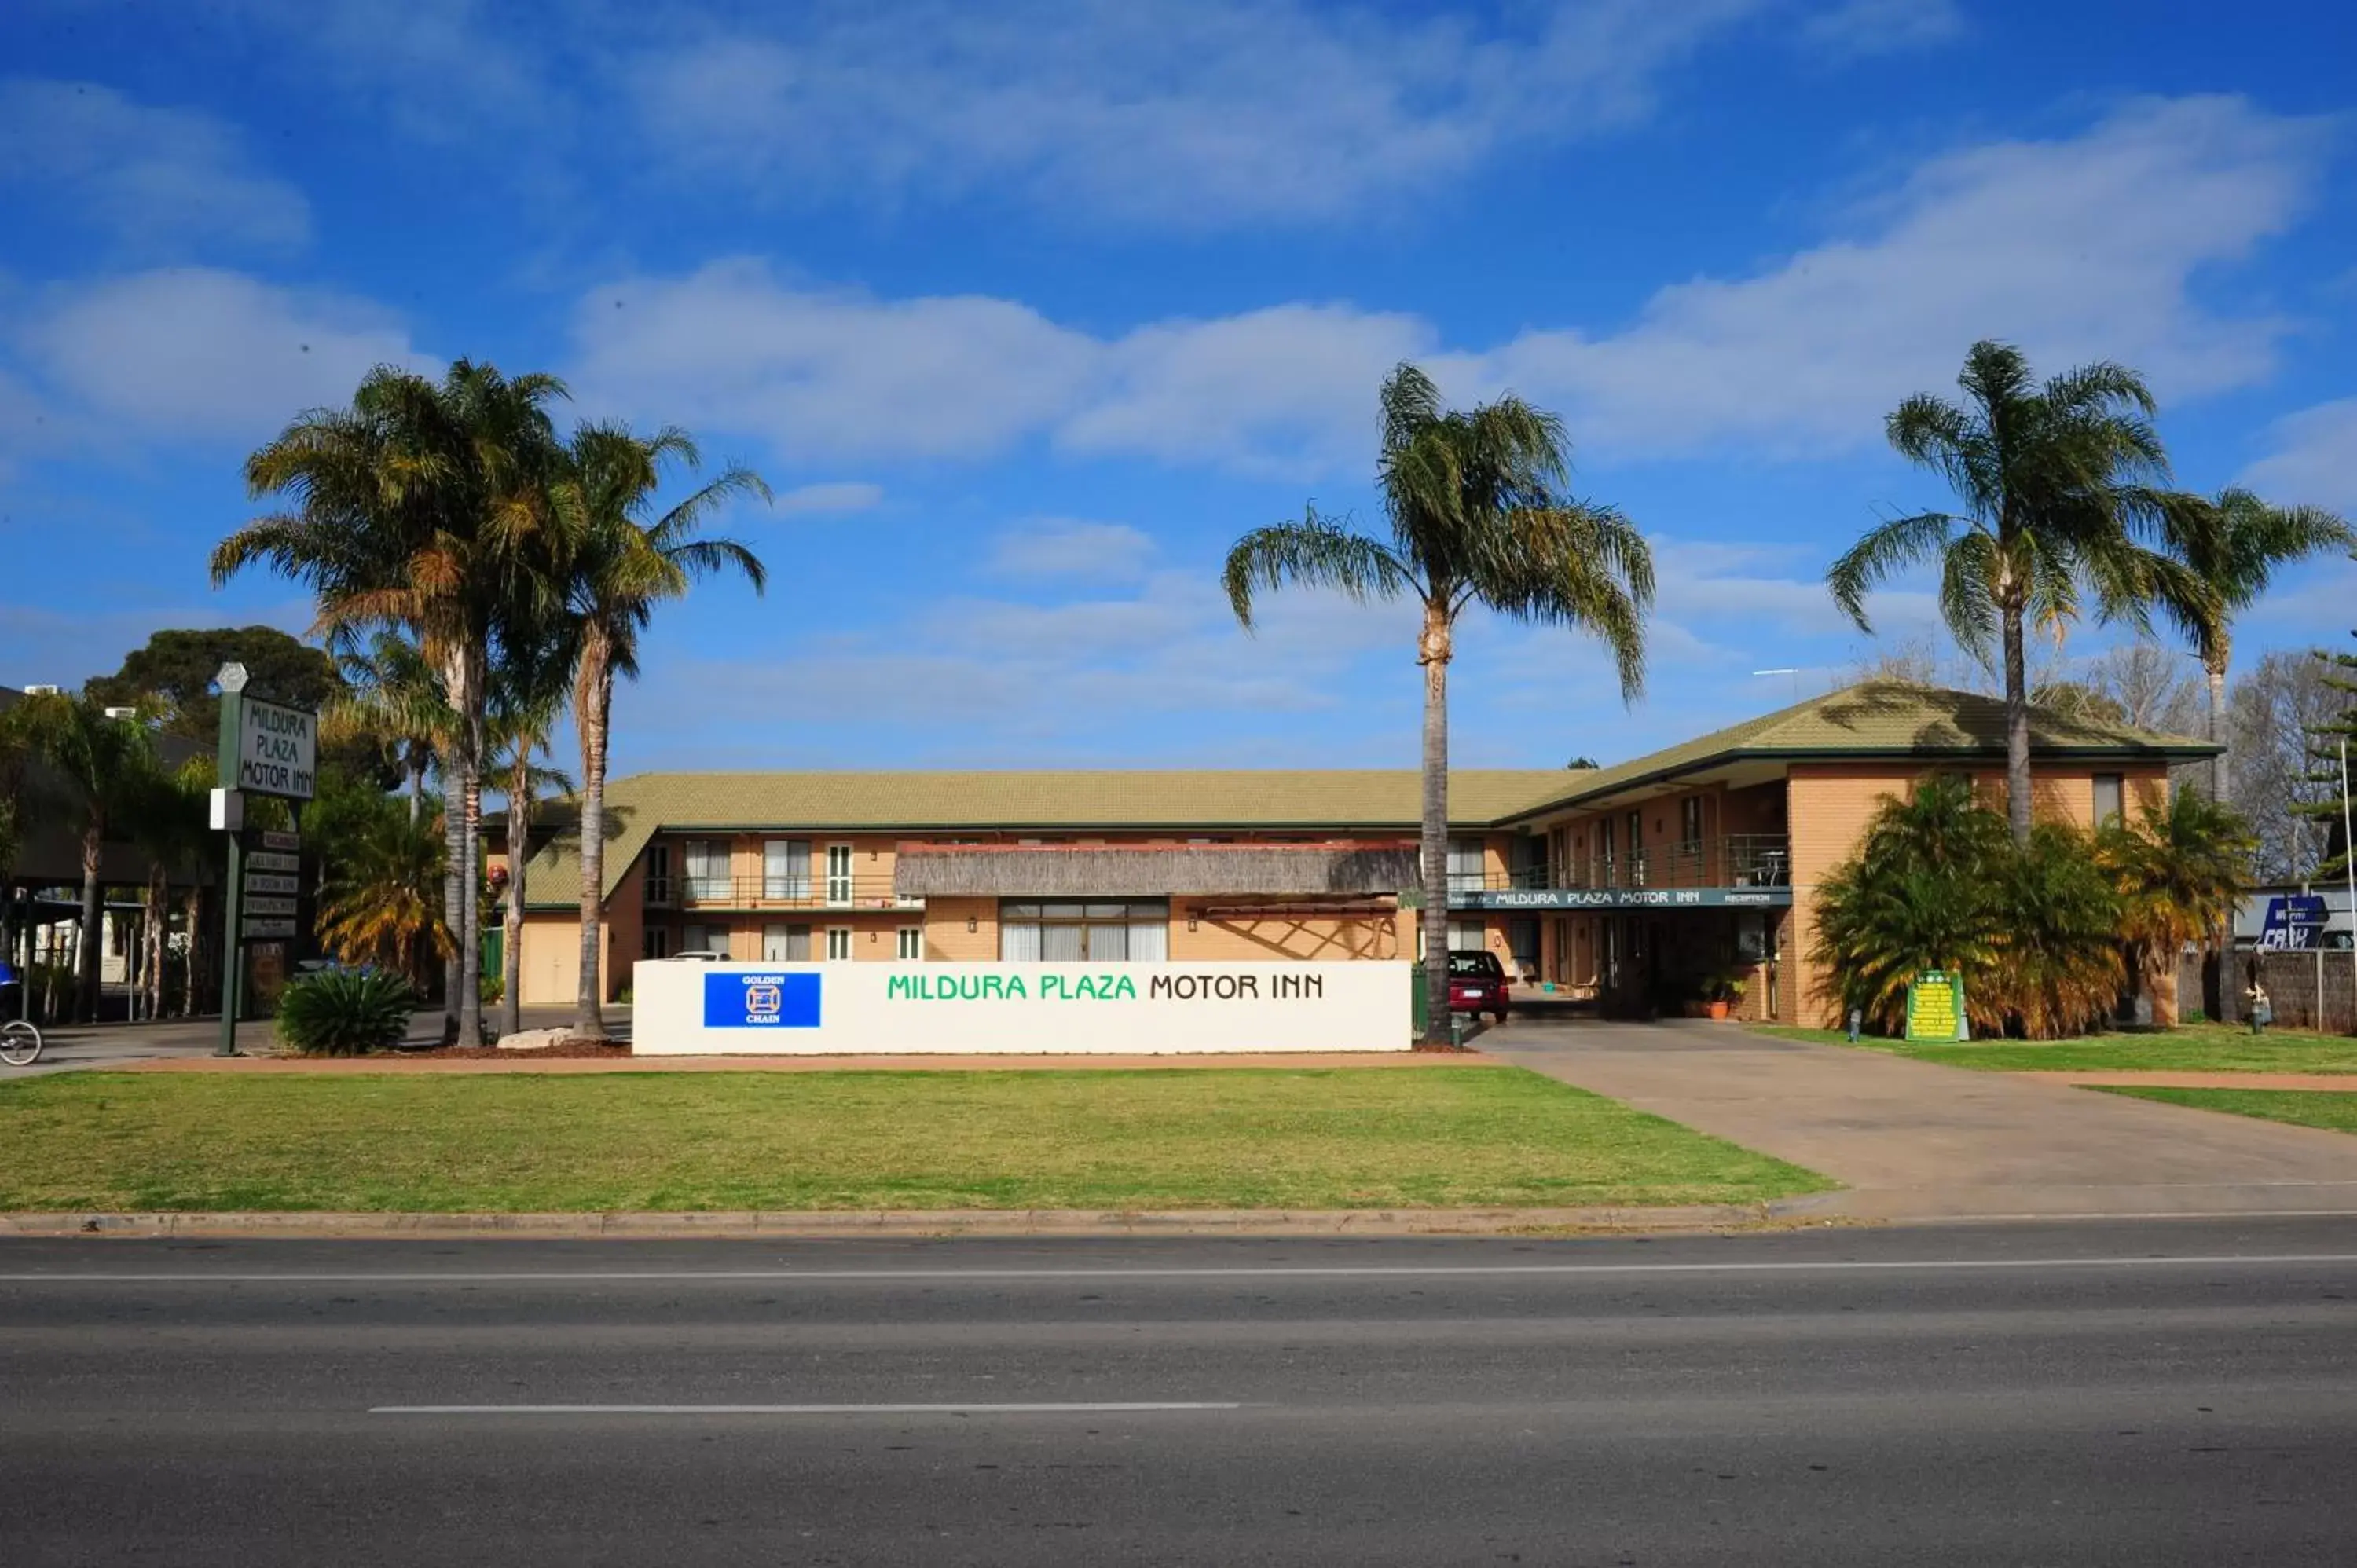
(345, 1012)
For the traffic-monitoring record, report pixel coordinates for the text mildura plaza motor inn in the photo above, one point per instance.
(1084, 987)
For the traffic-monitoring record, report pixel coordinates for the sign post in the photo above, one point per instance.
(266, 749)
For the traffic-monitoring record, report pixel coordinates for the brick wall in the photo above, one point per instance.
(2290, 982)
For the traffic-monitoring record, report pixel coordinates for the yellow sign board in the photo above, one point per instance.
(1935, 1007)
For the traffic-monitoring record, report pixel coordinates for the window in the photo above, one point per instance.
(839, 873)
(658, 884)
(912, 944)
(785, 944)
(1465, 871)
(2110, 799)
(1097, 931)
(1690, 822)
(1468, 936)
(707, 870)
(785, 868)
(704, 939)
(654, 942)
(838, 943)
(1636, 849)
(1607, 872)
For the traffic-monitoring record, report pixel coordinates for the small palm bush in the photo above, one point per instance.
(1939, 884)
(345, 1012)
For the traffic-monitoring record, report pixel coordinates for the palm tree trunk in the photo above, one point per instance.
(511, 927)
(86, 956)
(193, 908)
(1432, 653)
(159, 905)
(2219, 776)
(454, 875)
(2016, 731)
(416, 784)
(593, 716)
(470, 904)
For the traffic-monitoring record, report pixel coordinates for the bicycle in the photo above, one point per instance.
(21, 1043)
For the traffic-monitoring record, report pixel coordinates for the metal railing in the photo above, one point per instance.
(1738, 860)
(871, 890)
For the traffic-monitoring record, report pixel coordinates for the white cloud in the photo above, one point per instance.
(1073, 549)
(829, 374)
(833, 500)
(197, 354)
(1169, 111)
(148, 177)
(980, 680)
(1855, 30)
(2079, 248)
(2313, 460)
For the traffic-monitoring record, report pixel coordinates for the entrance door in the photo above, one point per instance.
(785, 944)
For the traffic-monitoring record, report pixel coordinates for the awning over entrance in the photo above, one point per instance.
(1016, 871)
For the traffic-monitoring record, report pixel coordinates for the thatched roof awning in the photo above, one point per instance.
(1130, 871)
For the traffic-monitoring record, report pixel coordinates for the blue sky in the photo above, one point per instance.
(1027, 310)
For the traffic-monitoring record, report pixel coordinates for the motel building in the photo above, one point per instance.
(1632, 887)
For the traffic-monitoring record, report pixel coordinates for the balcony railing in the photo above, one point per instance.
(867, 891)
(1738, 860)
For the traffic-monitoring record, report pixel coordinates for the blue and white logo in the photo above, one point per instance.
(2293, 923)
(772, 1001)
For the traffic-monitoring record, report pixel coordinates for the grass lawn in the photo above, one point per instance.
(2189, 1047)
(2332, 1109)
(1435, 1137)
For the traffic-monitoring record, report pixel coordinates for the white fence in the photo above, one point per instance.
(684, 1008)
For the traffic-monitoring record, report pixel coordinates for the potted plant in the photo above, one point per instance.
(1725, 991)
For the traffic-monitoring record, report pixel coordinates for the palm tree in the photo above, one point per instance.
(530, 692)
(631, 561)
(102, 768)
(2230, 548)
(2180, 869)
(2055, 481)
(1919, 895)
(394, 693)
(432, 509)
(1478, 515)
(378, 906)
(168, 823)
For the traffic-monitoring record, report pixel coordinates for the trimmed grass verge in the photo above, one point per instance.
(1441, 1137)
(2331, 1108)
(2189, 1047)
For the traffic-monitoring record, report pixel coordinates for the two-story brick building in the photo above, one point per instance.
(1633, 885)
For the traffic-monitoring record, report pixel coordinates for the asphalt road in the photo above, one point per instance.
(2175, 1392)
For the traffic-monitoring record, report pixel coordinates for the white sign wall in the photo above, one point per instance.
(684, 1008)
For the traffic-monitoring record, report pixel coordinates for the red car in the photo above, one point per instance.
(1477, 984)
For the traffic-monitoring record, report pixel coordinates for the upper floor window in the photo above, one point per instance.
(786, 868)
(707, 868)
(1690, 822)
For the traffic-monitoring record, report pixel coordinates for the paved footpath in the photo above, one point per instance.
(1912, 1141)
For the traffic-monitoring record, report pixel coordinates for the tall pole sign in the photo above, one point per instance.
(266, 749)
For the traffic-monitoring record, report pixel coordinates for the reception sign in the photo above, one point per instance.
(689, 1008)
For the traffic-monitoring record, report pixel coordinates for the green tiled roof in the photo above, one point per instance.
(1876, 718)
(1880, 718)
(639, 806)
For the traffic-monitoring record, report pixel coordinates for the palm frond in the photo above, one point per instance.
(1885, 550)
(1312, 552)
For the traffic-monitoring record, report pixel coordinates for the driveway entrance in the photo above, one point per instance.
(1913, 1141)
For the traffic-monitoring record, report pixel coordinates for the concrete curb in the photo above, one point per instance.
(914, 1224)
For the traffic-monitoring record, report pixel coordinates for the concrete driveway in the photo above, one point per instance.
(1914, 1141)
